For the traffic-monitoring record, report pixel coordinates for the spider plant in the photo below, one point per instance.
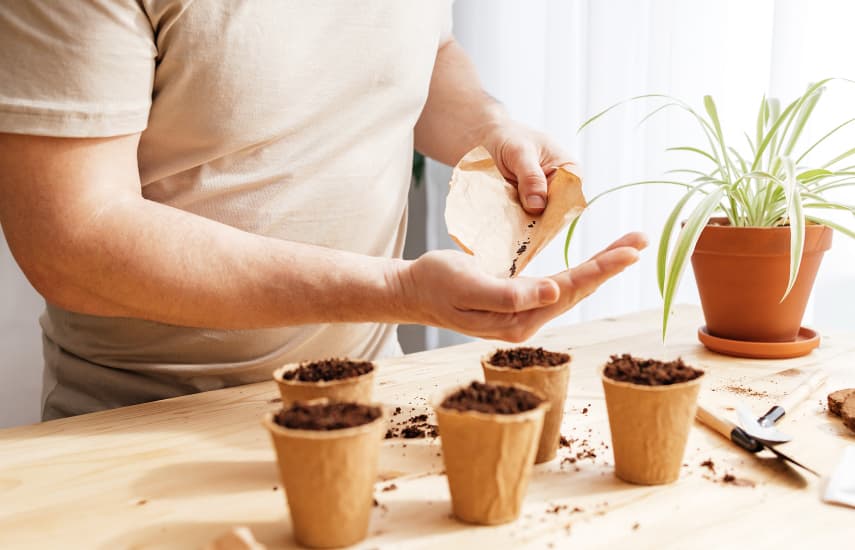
(762, 182)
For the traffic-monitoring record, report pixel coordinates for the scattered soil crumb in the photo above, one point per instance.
(708, 463)
(635, 526)
(275, 487)
(742, 390)
(374, 503)
(556, 508)
(731, 479)
(142, 502)
(390, 487)
(565, 441)
(585, 410)
(789, 372)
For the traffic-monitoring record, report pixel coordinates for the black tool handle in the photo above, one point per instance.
(772, 416)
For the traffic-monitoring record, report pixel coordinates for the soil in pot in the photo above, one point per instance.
(327, 456)
(334, 379)
(489, 434)
(548, 372)
(651, 407)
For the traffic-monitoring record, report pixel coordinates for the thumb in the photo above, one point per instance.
(524, 164)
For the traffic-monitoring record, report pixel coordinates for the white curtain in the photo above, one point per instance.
(556, 62)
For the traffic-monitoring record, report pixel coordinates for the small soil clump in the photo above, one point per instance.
(836, 399)
(730, 479)
(328, 370)
(523, 357)
(708, 463)
(649, 372)
(326, 416)
(491, 399)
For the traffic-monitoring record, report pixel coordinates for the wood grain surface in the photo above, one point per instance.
(178, 473)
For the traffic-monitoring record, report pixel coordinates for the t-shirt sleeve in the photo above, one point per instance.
(82, 68)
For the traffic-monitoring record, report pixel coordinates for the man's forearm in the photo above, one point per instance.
(151, 261)
(458, 113)
(74, 218)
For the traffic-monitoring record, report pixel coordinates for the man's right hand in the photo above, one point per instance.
(447, 289)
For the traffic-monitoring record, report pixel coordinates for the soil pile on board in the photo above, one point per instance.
(523, 357)
(491, 399)
(328, 370)
(649, 372)
(326, 416)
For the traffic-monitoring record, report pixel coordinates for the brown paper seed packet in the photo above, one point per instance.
(485, 218)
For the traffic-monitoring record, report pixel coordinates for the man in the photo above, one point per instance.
(203, 191)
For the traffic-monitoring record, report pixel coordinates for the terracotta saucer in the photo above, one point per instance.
(805, 342)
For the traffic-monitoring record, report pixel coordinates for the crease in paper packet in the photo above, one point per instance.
(485, 218)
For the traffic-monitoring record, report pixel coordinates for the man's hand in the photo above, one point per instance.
(526, 158)
(447, 289)
(459, 115)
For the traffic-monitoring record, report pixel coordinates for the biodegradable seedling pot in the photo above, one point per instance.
(551, 382)
(650, 426)
(488, 459)
(742, 274)
(357, 389)
(328, 478)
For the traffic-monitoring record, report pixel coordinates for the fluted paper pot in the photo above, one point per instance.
(547, 380)
(328, 478)
(356, 389)
(488, 460)
(650, 426)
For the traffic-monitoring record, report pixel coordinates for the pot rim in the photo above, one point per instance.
(643, 387)
(485, 363)
(343, 433)
(542, 407)
(278, 376)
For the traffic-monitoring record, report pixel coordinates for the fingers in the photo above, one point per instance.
(524, 163)
(492, 294)
(634, 240)
(580, 282)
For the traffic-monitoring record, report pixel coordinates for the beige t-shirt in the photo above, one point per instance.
(287, 118)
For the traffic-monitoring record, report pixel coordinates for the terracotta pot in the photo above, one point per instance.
(742, 274)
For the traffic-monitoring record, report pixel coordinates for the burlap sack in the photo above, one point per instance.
(552, 383)
(650, 426)
(485, 218)
(358, 389)
(488, 460)
(328, 478)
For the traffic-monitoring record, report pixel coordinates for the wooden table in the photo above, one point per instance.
(178, 473)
